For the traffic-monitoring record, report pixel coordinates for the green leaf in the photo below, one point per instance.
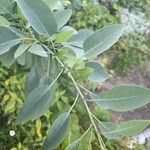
(113, 131)
(63, 36)
(37, 49)
(62, 17)
(52, 4)
(124, 98)
(21, 50)
(6, 6)
(37, 103)
(22, 59)
(57, 132)
(79, 38)
(75, 144)
(102, 39)
(99, 74)
(7, 59)
(39, 16)
(7, 39)
(4, 22)
(32, 81)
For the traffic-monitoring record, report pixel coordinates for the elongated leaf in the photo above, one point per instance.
(62, 17)
(37, 103)
(39, 16)
(113, 131)
(57, 132)
(37, 49)
(79, 38)
(22, 59)
(102, 39)
(63, 36)
(6, 6)
(4, 22)
(99, 74)
(7, 39)
(75, 145)
(7, 59)
(52, 4)
(21, 50)
(32, 81)
(124, 98)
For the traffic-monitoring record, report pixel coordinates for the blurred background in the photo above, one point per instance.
(128, 61)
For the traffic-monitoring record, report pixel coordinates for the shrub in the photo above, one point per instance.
(61, 60)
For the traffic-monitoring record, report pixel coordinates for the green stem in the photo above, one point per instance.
(89, 112)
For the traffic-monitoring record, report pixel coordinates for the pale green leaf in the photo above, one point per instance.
(113, 131)
(52, 4)
(22, 59)
(7, 39)
(63, 36)
(99, 74)
(7, 58)
(124, 98)
(75, 144)
(79, 38)
(37, 103)
(37, 49)
(6, 6)
(102, 39)
(21, 50)
(4, 22)
(62, 17)
(57, 132)
(32, 81)
(39, 16)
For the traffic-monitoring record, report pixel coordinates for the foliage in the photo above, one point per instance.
(133, 47)
(60, 60)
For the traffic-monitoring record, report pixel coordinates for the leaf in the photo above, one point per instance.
(21, 50)
(102, 39)
(78, 52)
(4, 22)
(22, 59)
(99, 74)
(7, 39)
(32, 81)
(124, 98)
(7, 58)
(52, 4)
(79, 38)
(63, 36)
(6, 6)
(75, 144)
(37, 103)
(113, 131)
(57, 132)
(39, 16)
(37, 49)
(62, 17)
